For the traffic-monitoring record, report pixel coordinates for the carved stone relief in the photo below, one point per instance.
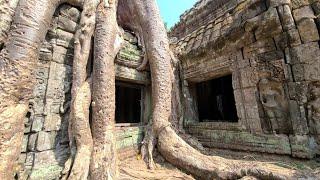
(314, 108)
(274, 103)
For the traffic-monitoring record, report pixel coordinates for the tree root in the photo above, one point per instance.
(11, 133)
(77, 167)
(148, 145)
(182, 155)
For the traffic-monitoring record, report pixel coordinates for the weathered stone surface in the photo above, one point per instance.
(308, 30)
(298, 118)
(27, 125)
(298, 91)
(275, 3)
(32, 142)
(265, 25)
(129, 137)
(67, 24)
(316, 8)
(46, 140)
(47, 165)
(300, 3)
(304, 12)
(302, 146)
(270, 25)
(293, 37)
(286, 17)
(52, 122)
(259, 47)
(242, 141)
(125, 73)
(304, 54)
(37, 123)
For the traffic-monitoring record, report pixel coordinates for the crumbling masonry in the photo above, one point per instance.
(257, 61)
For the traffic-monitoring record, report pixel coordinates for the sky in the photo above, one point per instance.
(172, 9)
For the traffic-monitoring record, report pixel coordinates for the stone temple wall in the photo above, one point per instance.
(271, 49)
(46, 145)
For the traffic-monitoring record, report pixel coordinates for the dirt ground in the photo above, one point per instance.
(134, 168)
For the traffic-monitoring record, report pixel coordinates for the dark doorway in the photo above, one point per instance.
(128, 103)
(216, 100)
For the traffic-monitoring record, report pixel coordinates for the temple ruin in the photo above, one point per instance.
(249, 73)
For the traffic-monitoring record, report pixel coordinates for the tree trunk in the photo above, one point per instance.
(17, 62)
(7, 10)
(107, 44)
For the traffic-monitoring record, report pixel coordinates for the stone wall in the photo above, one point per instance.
(271, 48)
(46, 145)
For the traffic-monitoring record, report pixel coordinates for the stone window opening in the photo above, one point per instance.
(215, 100)
(129, 104)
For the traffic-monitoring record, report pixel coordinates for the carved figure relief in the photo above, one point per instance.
(274, 104)
(314, 108)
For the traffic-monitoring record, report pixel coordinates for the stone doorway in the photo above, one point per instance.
(215, 99)
(128, 103)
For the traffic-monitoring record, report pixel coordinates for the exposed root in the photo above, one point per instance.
(79, 163)
(11, 133)
(148, 146)
(180, 154)
(79, 130)
(143, 65)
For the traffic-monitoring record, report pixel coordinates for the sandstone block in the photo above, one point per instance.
(265, 25)
(300, 3)
(37, 123)
(298, 119)
(46, 140)
(293, 37)
(316, 8)
(52, 122)
(298, 91)
(307, 72)
(275, 3)
(27, 125)
(70, 12)
(30, 159)
(67, 24)
(286, 17)
(32, 142)
(302, 13)
(259, 47)
(302, 146)
(304, 53)
(308, 30)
